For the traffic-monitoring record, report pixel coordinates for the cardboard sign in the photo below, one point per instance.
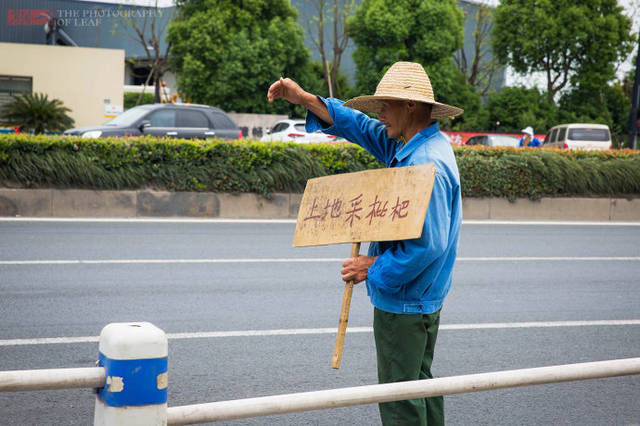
(374, 205)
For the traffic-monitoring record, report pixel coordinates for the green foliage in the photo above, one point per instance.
(536, 173)
(37, 113)
(37, 161)
(450, 87)
(387, 31)
(519, 107)
(176, 165)
(572, 41)
(227, 53)
(131, 98)
(608, 105)
(319, 83)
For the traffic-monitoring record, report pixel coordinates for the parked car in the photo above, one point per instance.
(579, 136)
(494, 140)
(294, 131)
(173, 120)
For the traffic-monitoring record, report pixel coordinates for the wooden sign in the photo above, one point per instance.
(374, 205)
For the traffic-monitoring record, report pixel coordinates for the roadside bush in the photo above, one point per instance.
(535, 173)
(38, 161)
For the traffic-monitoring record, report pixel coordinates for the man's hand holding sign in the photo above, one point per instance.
(409, 266)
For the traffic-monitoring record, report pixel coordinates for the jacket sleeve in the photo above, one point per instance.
(355, 127)
(406, 259)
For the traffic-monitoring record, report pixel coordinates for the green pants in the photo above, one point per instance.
(404, 347)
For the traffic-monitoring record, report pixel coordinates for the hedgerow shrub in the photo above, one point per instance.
(265, 167)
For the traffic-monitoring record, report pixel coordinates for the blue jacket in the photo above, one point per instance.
(409, 276)
(535, 142)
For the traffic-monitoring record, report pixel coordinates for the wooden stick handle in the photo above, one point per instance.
(344, 314)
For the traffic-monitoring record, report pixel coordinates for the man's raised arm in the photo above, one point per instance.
(289, 90)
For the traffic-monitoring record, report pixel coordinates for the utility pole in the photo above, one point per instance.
(633, 117)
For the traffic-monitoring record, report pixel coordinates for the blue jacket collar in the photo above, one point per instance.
(416, 141)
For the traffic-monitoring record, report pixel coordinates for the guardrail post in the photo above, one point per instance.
(134, 356)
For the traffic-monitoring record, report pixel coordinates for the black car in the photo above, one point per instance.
(172, 120)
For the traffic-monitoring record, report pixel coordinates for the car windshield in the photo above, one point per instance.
(129, 117)
(586, 134)
(299, 127)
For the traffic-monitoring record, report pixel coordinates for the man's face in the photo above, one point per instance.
(394, 116)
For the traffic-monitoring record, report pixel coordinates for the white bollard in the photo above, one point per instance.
(134, 356)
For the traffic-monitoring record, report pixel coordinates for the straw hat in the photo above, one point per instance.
(528, 131)
(404, 81)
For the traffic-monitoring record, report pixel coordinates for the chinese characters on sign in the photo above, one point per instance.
(378, 209)
(373, 205)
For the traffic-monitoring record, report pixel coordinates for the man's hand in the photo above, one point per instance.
(287, 89)
(355, 268)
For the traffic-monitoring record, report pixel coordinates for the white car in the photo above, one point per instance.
(294, 131)
(579, 136)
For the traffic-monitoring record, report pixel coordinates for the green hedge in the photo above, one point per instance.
(263, 167)
(534, 173)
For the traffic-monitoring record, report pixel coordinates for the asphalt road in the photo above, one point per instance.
(515, 286)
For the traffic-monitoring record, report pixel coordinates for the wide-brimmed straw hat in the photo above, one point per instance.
(528, 130)
(404, 81)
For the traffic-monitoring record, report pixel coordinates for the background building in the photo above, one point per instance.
(91, 88)
(61, 29)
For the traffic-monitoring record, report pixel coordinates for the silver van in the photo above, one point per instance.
(579, 136)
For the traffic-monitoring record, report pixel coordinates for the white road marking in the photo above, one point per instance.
(300, 331)
(310, 260)
(253, 221)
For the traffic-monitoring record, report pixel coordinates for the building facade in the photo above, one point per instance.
(91, 88)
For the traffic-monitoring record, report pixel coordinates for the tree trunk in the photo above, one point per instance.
(157, 88)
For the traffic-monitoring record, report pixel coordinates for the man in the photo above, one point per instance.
(528, 139)
(408, 280)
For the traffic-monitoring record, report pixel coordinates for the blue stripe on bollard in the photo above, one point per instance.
(134, 381)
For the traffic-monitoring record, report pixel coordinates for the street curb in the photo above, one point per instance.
(149, 204)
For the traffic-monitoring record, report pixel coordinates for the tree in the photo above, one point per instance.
(513, 108)
(574, 42)
(481, 67)
(147, 26)
(451, 87)
(37, 113)
(386, 31)
(333, 13)
(226, 53)
(608, 105)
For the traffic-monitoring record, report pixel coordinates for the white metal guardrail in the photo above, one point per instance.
(132, 383)
(58, 378)
(333, 398)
